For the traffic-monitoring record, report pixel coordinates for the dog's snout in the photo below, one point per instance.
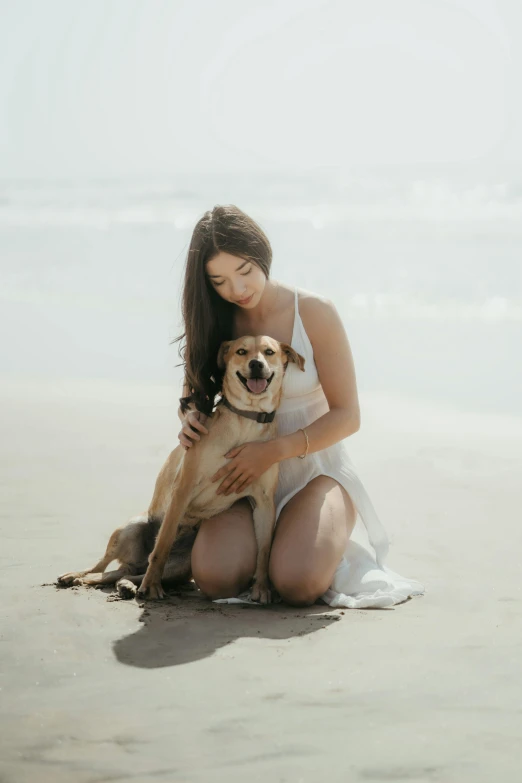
(255, 365)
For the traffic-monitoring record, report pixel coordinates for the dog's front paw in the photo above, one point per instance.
(261, 593)
(150, 590)
(70, 578)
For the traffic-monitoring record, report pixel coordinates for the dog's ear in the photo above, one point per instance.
(293, 356)
(223, 348)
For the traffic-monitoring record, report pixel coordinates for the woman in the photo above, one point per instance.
(227, 293)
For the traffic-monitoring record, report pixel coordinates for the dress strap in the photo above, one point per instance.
(299, 329)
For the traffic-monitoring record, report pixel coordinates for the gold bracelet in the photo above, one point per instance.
(302, 456)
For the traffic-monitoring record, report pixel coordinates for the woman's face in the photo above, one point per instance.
(235, 279)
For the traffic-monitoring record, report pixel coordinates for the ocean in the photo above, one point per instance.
(426, 272)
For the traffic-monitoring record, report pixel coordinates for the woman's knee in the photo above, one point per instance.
(218, 578)
(223, 555)
(296, 586)
(216, 584)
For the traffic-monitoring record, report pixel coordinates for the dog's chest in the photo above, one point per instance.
(206, 503)
(227, 433)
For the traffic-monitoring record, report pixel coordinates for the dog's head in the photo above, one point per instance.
(255, 368)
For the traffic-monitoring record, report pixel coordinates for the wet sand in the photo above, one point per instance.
(96, 690)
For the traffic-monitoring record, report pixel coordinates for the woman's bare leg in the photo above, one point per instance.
(310, 538)
(224, 552)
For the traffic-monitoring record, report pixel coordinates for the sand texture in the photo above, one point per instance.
(94, 689)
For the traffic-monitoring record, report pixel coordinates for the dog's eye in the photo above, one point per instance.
(269, 352)
(241, 351)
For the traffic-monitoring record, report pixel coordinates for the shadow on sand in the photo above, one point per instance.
(183, 629)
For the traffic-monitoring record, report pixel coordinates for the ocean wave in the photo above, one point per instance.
(318, 204)
(379, 306)
(358, 306)
(318, 217)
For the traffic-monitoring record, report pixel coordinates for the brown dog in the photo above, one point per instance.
(184, 494)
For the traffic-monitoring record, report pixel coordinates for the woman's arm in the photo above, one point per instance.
(335, 367)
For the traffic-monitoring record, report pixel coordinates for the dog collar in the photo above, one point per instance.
(259, 416)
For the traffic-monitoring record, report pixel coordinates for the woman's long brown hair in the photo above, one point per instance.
(207, 317)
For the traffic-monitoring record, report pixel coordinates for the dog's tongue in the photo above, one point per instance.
(256, 385)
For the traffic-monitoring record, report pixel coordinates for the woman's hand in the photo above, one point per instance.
(194, 420)
(247, 463)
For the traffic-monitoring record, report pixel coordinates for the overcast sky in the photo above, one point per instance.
(128, 87)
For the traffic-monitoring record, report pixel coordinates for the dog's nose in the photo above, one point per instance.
(255, 365)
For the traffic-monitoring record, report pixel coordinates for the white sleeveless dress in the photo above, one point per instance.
(361, 579)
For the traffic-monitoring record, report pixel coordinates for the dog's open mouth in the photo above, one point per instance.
(255, 385)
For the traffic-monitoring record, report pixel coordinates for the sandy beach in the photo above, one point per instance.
(98, 690)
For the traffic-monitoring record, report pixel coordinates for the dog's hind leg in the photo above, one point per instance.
(128, 586)
(106, 578)
(177, 572)
(75, 577)
(119, 538)
(178, 568)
